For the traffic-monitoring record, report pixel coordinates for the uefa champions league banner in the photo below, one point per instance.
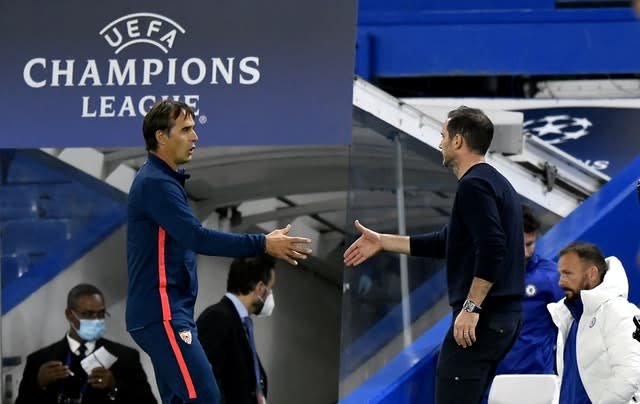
(84, 73)
(606, 138)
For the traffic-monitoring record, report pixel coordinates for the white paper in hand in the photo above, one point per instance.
(98, 358)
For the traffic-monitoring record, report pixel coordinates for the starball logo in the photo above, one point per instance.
(563, 128)
(124, 34)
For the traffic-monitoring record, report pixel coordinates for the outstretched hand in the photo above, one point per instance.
(366, 246)
(287, 248)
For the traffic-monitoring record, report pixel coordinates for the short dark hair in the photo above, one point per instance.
(530, 222)
(162, 116)
(83, 289)
(246, 273)
(589, 253)
(473, 125)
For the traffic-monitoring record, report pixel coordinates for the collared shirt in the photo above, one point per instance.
(242, 311)
(74, 345)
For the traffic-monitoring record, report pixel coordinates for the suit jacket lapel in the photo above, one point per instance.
(61, 348)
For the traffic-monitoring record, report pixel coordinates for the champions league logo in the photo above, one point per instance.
(124, 33)
(150, 28)
(555, 129)
(558, 129)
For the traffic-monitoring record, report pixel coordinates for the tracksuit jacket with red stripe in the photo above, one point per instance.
(163, 238)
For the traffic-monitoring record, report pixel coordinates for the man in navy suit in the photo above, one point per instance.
(225, 330)
(54, 374)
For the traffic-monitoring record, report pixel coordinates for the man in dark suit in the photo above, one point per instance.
(225, 330)
(54, 374)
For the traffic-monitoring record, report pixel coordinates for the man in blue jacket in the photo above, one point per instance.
(163, 238)
(534, 350)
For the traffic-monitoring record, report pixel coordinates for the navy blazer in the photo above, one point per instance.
(131, 381)
(222, 335)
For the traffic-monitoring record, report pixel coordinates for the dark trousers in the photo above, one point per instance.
(463, 374)
(183, 372)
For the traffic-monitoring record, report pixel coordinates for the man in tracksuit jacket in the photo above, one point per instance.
(163, 238)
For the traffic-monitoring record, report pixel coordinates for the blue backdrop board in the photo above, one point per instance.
(610, 218)
(602, 138)
(78, 73)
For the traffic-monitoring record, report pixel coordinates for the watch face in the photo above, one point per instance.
(469, 306)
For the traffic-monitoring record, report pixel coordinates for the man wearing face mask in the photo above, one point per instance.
(226, 330)
(54, 374)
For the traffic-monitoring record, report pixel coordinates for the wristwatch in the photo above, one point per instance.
(470, 307)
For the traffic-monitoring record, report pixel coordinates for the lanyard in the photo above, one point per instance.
(61, 396)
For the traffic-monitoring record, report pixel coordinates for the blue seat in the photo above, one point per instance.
(17, 203)
(13, 267)
(27, 168)
(33, 236)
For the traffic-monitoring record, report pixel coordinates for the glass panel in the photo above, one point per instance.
(372, 319)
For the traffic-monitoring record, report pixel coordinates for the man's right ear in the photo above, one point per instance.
(457, 141)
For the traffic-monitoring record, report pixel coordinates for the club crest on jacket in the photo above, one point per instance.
(185, 335)
(530, 290)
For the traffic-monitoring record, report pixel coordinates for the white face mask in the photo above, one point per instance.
(268, 306)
